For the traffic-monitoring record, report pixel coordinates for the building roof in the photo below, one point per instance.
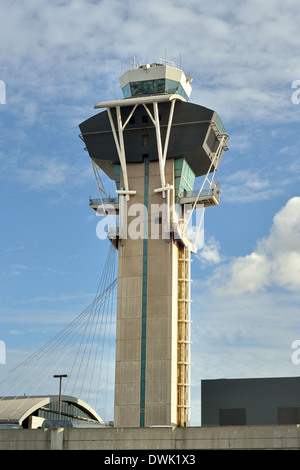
(17, 409)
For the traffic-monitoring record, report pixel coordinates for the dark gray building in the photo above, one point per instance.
(255, 401)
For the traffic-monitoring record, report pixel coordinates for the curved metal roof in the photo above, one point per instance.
(16, 409)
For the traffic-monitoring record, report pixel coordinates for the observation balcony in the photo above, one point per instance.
(207, 197)
(108, 205)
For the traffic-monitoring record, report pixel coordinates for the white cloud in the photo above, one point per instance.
(246, 54)
(275, 262)
(46, 172)
(210, 253)
(43, 173)
(247, 186)
(16, 270)
(248, 274)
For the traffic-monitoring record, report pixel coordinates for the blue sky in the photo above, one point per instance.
(58, 59)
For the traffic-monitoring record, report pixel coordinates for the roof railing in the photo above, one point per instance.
(160, 61)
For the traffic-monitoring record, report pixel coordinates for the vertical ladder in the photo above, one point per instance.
(183, 341)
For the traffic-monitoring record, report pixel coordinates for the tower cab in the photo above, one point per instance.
(158, 78)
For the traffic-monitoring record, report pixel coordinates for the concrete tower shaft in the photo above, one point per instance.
(146, 343)
(154, 144)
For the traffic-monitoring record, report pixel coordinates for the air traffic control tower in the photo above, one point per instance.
(154, 144)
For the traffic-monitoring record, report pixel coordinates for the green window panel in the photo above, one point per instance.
(117, 170)
(153, 87)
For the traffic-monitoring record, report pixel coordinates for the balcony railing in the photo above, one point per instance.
(108, 200)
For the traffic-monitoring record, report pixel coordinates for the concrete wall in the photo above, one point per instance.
(211, 438)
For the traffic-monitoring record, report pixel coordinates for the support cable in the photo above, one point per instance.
(39, 366)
